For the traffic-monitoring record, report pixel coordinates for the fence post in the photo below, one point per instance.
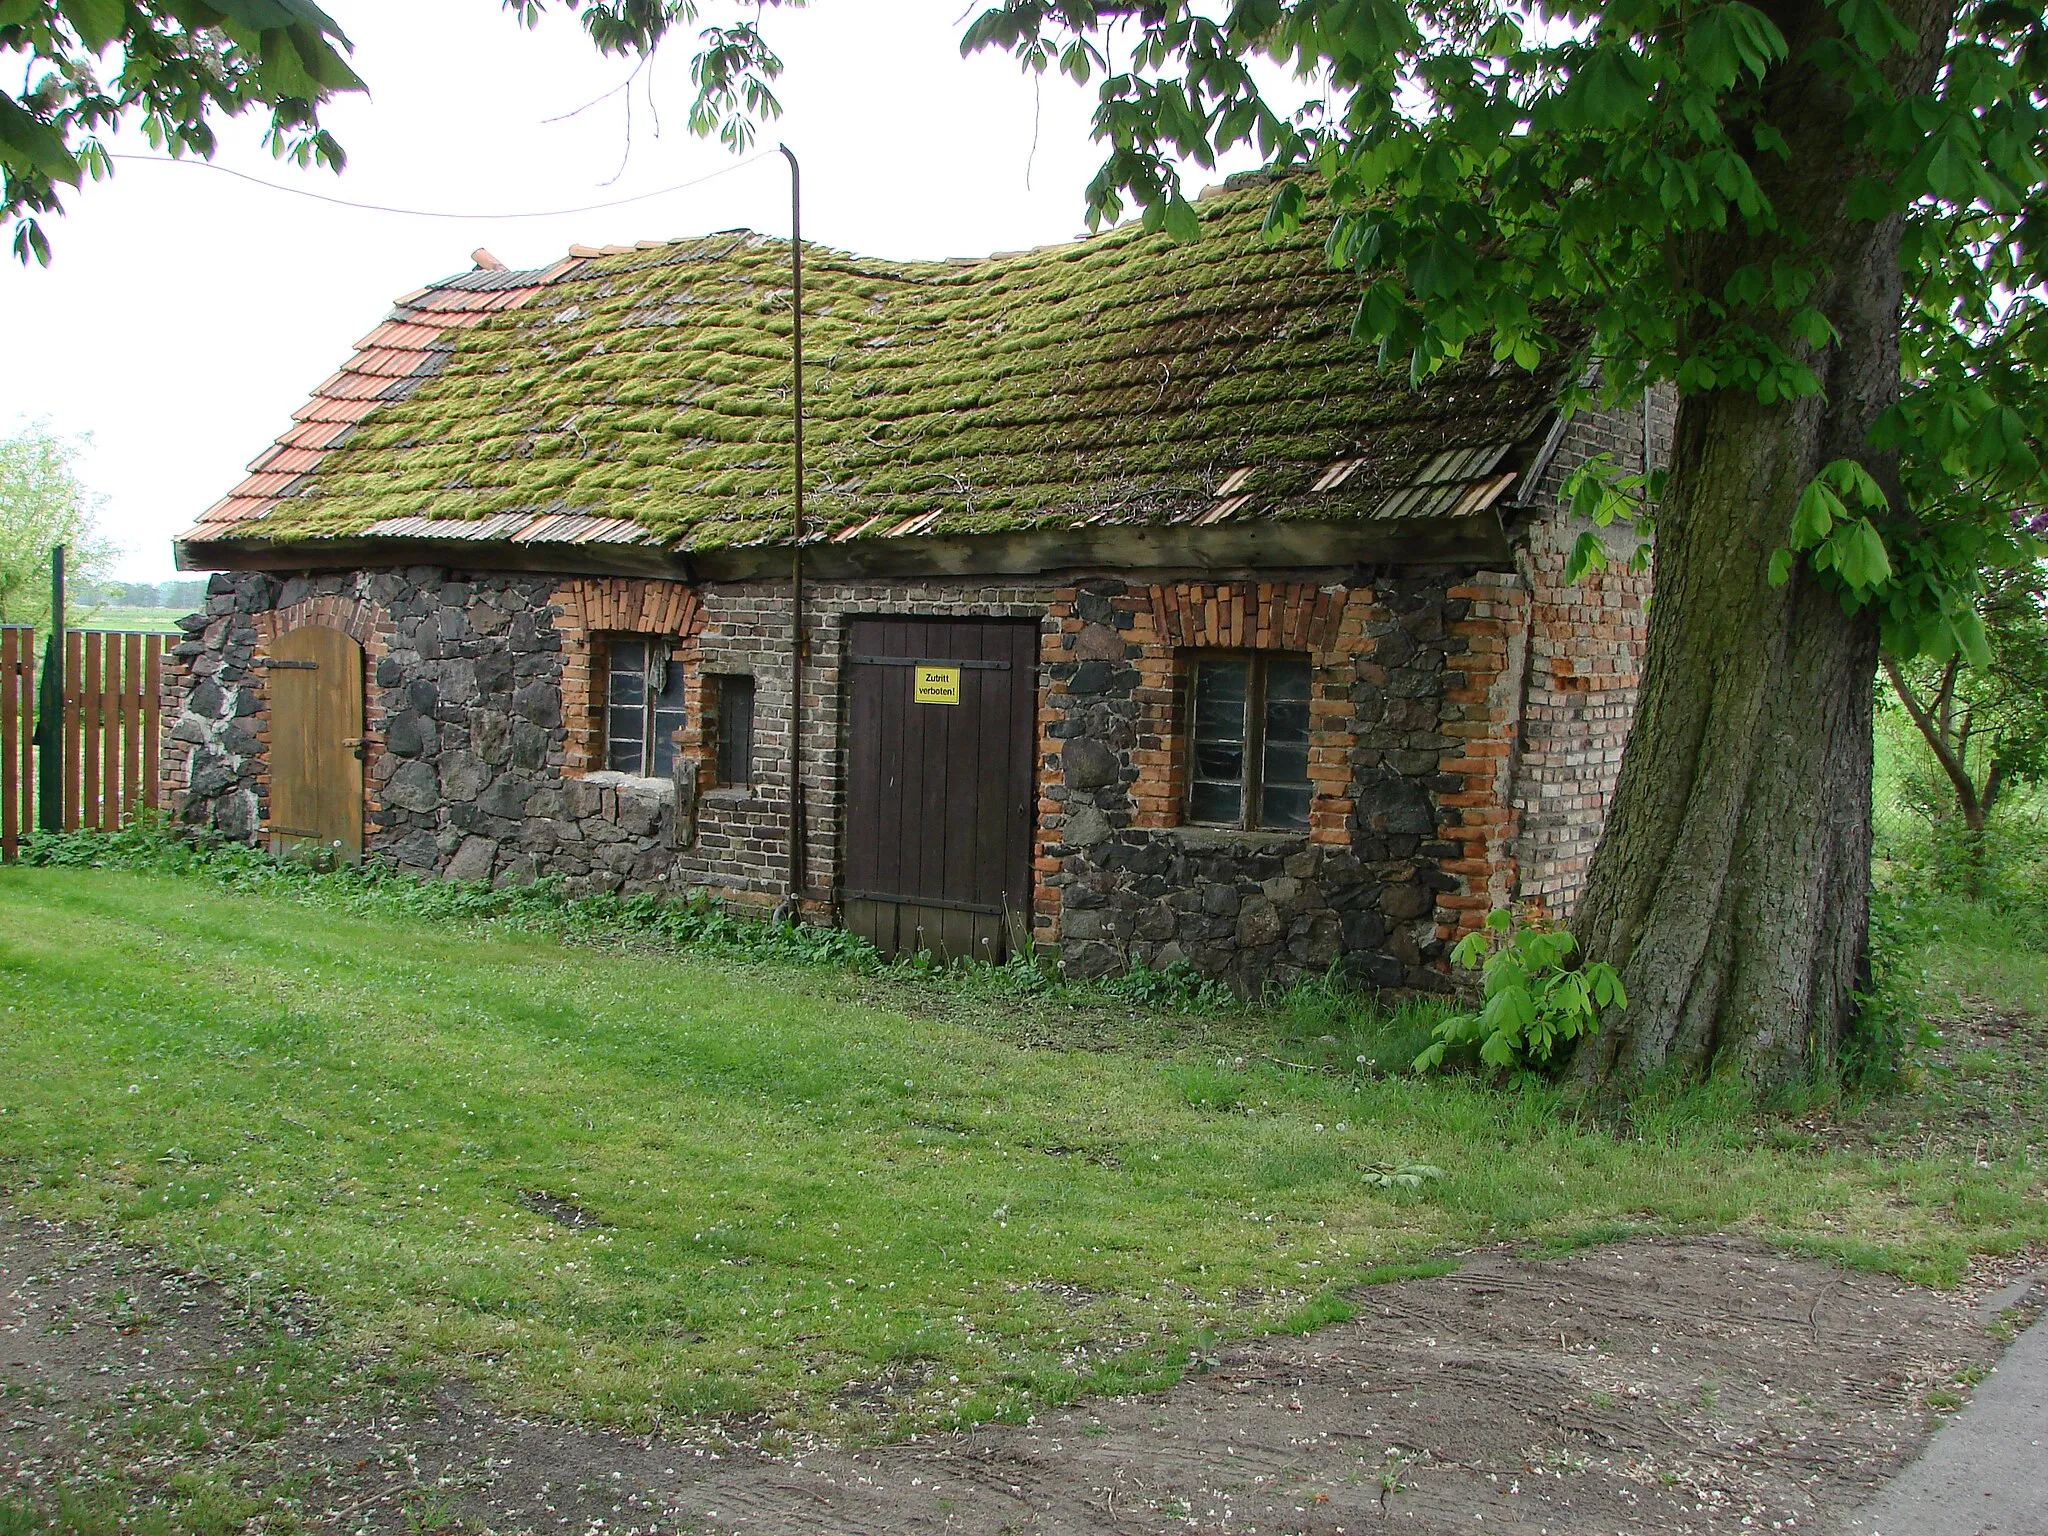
(17, 667)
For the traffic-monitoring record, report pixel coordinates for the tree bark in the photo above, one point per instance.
(1730, 888)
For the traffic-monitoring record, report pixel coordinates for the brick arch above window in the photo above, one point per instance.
(630, 605)
(590, 608)
(1246, 615)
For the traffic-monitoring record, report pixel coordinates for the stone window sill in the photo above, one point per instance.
(662, 789)
(729, 796)
(1190, 835)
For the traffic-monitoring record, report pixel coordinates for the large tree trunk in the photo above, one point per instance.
(1730, 887)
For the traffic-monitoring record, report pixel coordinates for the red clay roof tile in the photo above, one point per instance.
(328, 408)
(403, 346)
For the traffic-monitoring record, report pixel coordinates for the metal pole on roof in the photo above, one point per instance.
(796, 544)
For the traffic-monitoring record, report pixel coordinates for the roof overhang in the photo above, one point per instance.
(1474, 540)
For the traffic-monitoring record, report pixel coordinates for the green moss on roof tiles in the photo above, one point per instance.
(1118, 379)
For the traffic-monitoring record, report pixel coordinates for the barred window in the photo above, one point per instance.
(643, 707)
(1248, 741)
(736, 730)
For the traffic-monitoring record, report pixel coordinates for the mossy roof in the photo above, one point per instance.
(643, 395)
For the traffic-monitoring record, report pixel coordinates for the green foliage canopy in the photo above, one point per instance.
(1503, 166)
(1501, 163)
(88, 66)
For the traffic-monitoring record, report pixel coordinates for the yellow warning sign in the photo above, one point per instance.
(937, 685)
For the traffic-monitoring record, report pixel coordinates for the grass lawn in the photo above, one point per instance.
(657, 1190)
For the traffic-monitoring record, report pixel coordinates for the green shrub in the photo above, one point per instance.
(1179, 988)
(1324, 1022)
(1533, 999)
(1891, 1021)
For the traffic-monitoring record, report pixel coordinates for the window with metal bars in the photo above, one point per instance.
(735, 730)
(643, 707)
(1247, 742)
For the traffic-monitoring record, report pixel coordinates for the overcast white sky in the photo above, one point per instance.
(186, 314)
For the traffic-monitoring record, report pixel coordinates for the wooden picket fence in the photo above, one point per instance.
(108, 739)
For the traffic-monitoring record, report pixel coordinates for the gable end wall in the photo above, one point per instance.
(1584, 666)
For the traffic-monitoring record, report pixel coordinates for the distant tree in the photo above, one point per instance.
(43, 503)
(1985, 723)
(185, 596)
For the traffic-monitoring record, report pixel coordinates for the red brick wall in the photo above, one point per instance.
(1585, 661)
(1585, 653)
(590, 608)
(1482, 702)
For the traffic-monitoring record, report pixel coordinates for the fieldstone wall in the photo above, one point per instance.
(1411, 717)
(483, 716)
(465, 743)
(214, 770)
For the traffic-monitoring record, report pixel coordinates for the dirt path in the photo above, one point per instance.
(1659, 1387)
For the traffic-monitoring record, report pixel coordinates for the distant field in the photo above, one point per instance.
(129, 618)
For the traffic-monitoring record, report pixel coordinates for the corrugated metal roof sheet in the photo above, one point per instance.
(516, 528)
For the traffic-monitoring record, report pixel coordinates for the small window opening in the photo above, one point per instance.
(1248, 741)
(736, 730)
(643, 708)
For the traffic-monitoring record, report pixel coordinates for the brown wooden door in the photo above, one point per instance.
(941, 717)
(315, 678)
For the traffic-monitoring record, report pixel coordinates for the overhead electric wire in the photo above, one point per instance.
(430, 213)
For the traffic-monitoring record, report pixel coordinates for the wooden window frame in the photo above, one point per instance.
(649, 709)
(1254, 780)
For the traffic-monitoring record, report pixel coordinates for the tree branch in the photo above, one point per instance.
(1958, 775)
(1994, 781)
(1947, 697)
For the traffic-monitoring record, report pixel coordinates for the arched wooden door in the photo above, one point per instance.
(315, 678)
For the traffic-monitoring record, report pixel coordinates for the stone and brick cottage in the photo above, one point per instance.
(1142, 617)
